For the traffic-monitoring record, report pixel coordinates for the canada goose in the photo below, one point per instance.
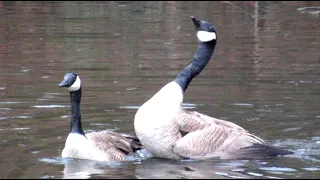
(166, 130)
(98, 146)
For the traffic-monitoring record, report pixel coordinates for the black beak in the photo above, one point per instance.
(63, 84)
(196, 22)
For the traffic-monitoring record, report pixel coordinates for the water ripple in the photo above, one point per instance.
(292, 129)
(6, 109)
(282, 169)
(184, 105)
(55, 160)
(312, 169)
(16, 129)
(100, 124)
(21, 128)
(255, 174)
(12, 102)
(231, 176)
(129, 107)
(189, 105)
(243, 104)
(21, 117)
(49, 106)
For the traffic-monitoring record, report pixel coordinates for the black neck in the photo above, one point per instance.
(75, 98)
(200, 60)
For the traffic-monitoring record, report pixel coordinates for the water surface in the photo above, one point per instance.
(263, 76)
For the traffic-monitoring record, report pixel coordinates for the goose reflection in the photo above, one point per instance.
(160, 168)
(84, 169)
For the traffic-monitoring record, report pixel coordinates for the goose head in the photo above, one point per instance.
(206, 32)
(71, 81)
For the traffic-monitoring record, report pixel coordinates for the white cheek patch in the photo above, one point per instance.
(76, 85)
(205, 36)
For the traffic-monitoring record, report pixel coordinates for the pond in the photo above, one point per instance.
(263, 76)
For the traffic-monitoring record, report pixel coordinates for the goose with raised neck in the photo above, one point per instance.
(168, 131)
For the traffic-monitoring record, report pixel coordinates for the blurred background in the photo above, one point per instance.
(263, 76)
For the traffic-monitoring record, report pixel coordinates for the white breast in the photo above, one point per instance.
(161, 108)
(154, 124)
(77, 146)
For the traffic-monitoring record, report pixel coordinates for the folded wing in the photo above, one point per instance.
(205, 137)
(115, 145)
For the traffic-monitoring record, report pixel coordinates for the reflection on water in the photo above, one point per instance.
(264, 76)
(83, 169)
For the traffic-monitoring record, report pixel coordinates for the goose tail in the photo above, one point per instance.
(260, 151)
(135, 142)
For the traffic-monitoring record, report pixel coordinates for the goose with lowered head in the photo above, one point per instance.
(168, 131)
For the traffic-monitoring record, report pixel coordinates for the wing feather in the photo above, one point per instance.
(114, 145)
(209, 137)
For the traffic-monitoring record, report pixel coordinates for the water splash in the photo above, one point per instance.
(55, 160)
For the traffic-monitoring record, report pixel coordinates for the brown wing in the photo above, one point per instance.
(190, 121)
(113, 144)
(208, 137)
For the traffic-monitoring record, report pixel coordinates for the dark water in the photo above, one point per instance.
(264, 76)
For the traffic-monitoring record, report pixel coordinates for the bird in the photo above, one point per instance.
(169, 131)
(98, 146)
